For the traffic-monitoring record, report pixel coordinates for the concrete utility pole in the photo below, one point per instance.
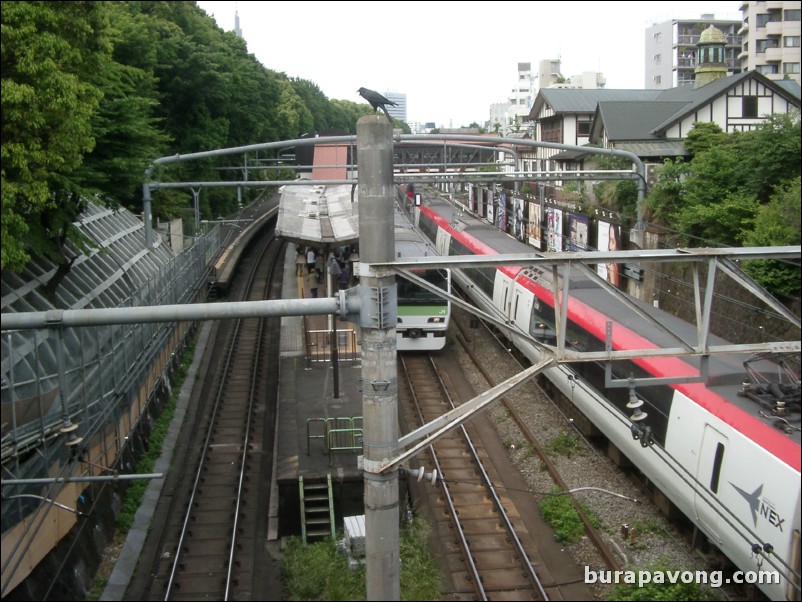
(374, 135)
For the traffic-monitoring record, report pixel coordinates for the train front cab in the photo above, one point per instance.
(423, 317)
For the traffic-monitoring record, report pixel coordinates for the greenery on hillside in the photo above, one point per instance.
(94, 92)
(737, 189)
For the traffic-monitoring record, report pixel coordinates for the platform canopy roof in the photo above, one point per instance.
(319, 215)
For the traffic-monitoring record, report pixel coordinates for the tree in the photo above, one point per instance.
(665, 199)
(49, 50)
(771, 154)
(720, 223)
(293, 112)
(777, 223)
(703, 136)
(127, 134)
(319, 107)
(619, 195)
(348, 113)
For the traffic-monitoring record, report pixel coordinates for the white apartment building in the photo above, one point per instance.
(770, 34)
(766, 38)
(670, 49)
(513, 116)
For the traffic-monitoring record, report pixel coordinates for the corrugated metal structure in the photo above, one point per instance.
(73, 397)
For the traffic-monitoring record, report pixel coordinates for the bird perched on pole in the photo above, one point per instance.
(377, 101)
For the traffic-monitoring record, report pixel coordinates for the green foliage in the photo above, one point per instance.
(559, 512)
(771, 154)
(777, 223)
(703, 136)
(94, 92)
(420, 574)
(49, 51)
(320, 110)
(740, 188)
(347, 113)
(666, 197)
(311, 572)
(565, 444)
(136, 490)
(319, 571)
(127, 134)
(620, 196)
(661, 587)
(723, 222)
(97, 589)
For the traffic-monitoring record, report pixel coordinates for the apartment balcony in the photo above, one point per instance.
(773, 55)
(687, 39)
(774, 28)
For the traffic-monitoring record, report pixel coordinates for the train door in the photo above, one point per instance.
(504, 301)
(709, 476)
(443, 242)
(522, 309)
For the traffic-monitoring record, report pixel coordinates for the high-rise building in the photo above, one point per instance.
(770, 38)
(671, 48)
(513, 115)
(237, 29)
(400, 110)
(549, 73)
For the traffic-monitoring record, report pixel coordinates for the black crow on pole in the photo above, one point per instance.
(377, 101)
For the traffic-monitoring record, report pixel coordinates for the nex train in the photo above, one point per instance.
(724, 451)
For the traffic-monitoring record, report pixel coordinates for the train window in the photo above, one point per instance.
(541, 323)
(429, 228)
(409, 293)
(717, 460)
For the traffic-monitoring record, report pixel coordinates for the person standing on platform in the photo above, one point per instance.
(320, 266)
(334, 269)
(310, 258)
(345, 277)
(311, 279)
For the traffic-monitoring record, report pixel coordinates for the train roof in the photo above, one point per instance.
(408, 241)
(726, 373)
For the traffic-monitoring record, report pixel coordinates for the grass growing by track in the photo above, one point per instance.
(136, 490)
(319, 571)
(559, 512)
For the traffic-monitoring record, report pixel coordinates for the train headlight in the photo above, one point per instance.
(436, 320)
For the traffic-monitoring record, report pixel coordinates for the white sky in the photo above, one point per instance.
(452, 59)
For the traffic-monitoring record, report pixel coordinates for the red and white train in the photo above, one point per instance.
(726, 454)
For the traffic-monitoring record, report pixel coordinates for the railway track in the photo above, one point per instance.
(611, 491)
(211, 542)
(609, 557)
(490, 550)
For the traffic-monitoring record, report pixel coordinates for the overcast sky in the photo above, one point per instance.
(452, 60)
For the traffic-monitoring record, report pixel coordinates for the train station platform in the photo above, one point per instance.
(319, 424)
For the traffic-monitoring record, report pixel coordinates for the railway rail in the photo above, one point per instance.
(210, 544)
(609, 557)
(491, 549)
